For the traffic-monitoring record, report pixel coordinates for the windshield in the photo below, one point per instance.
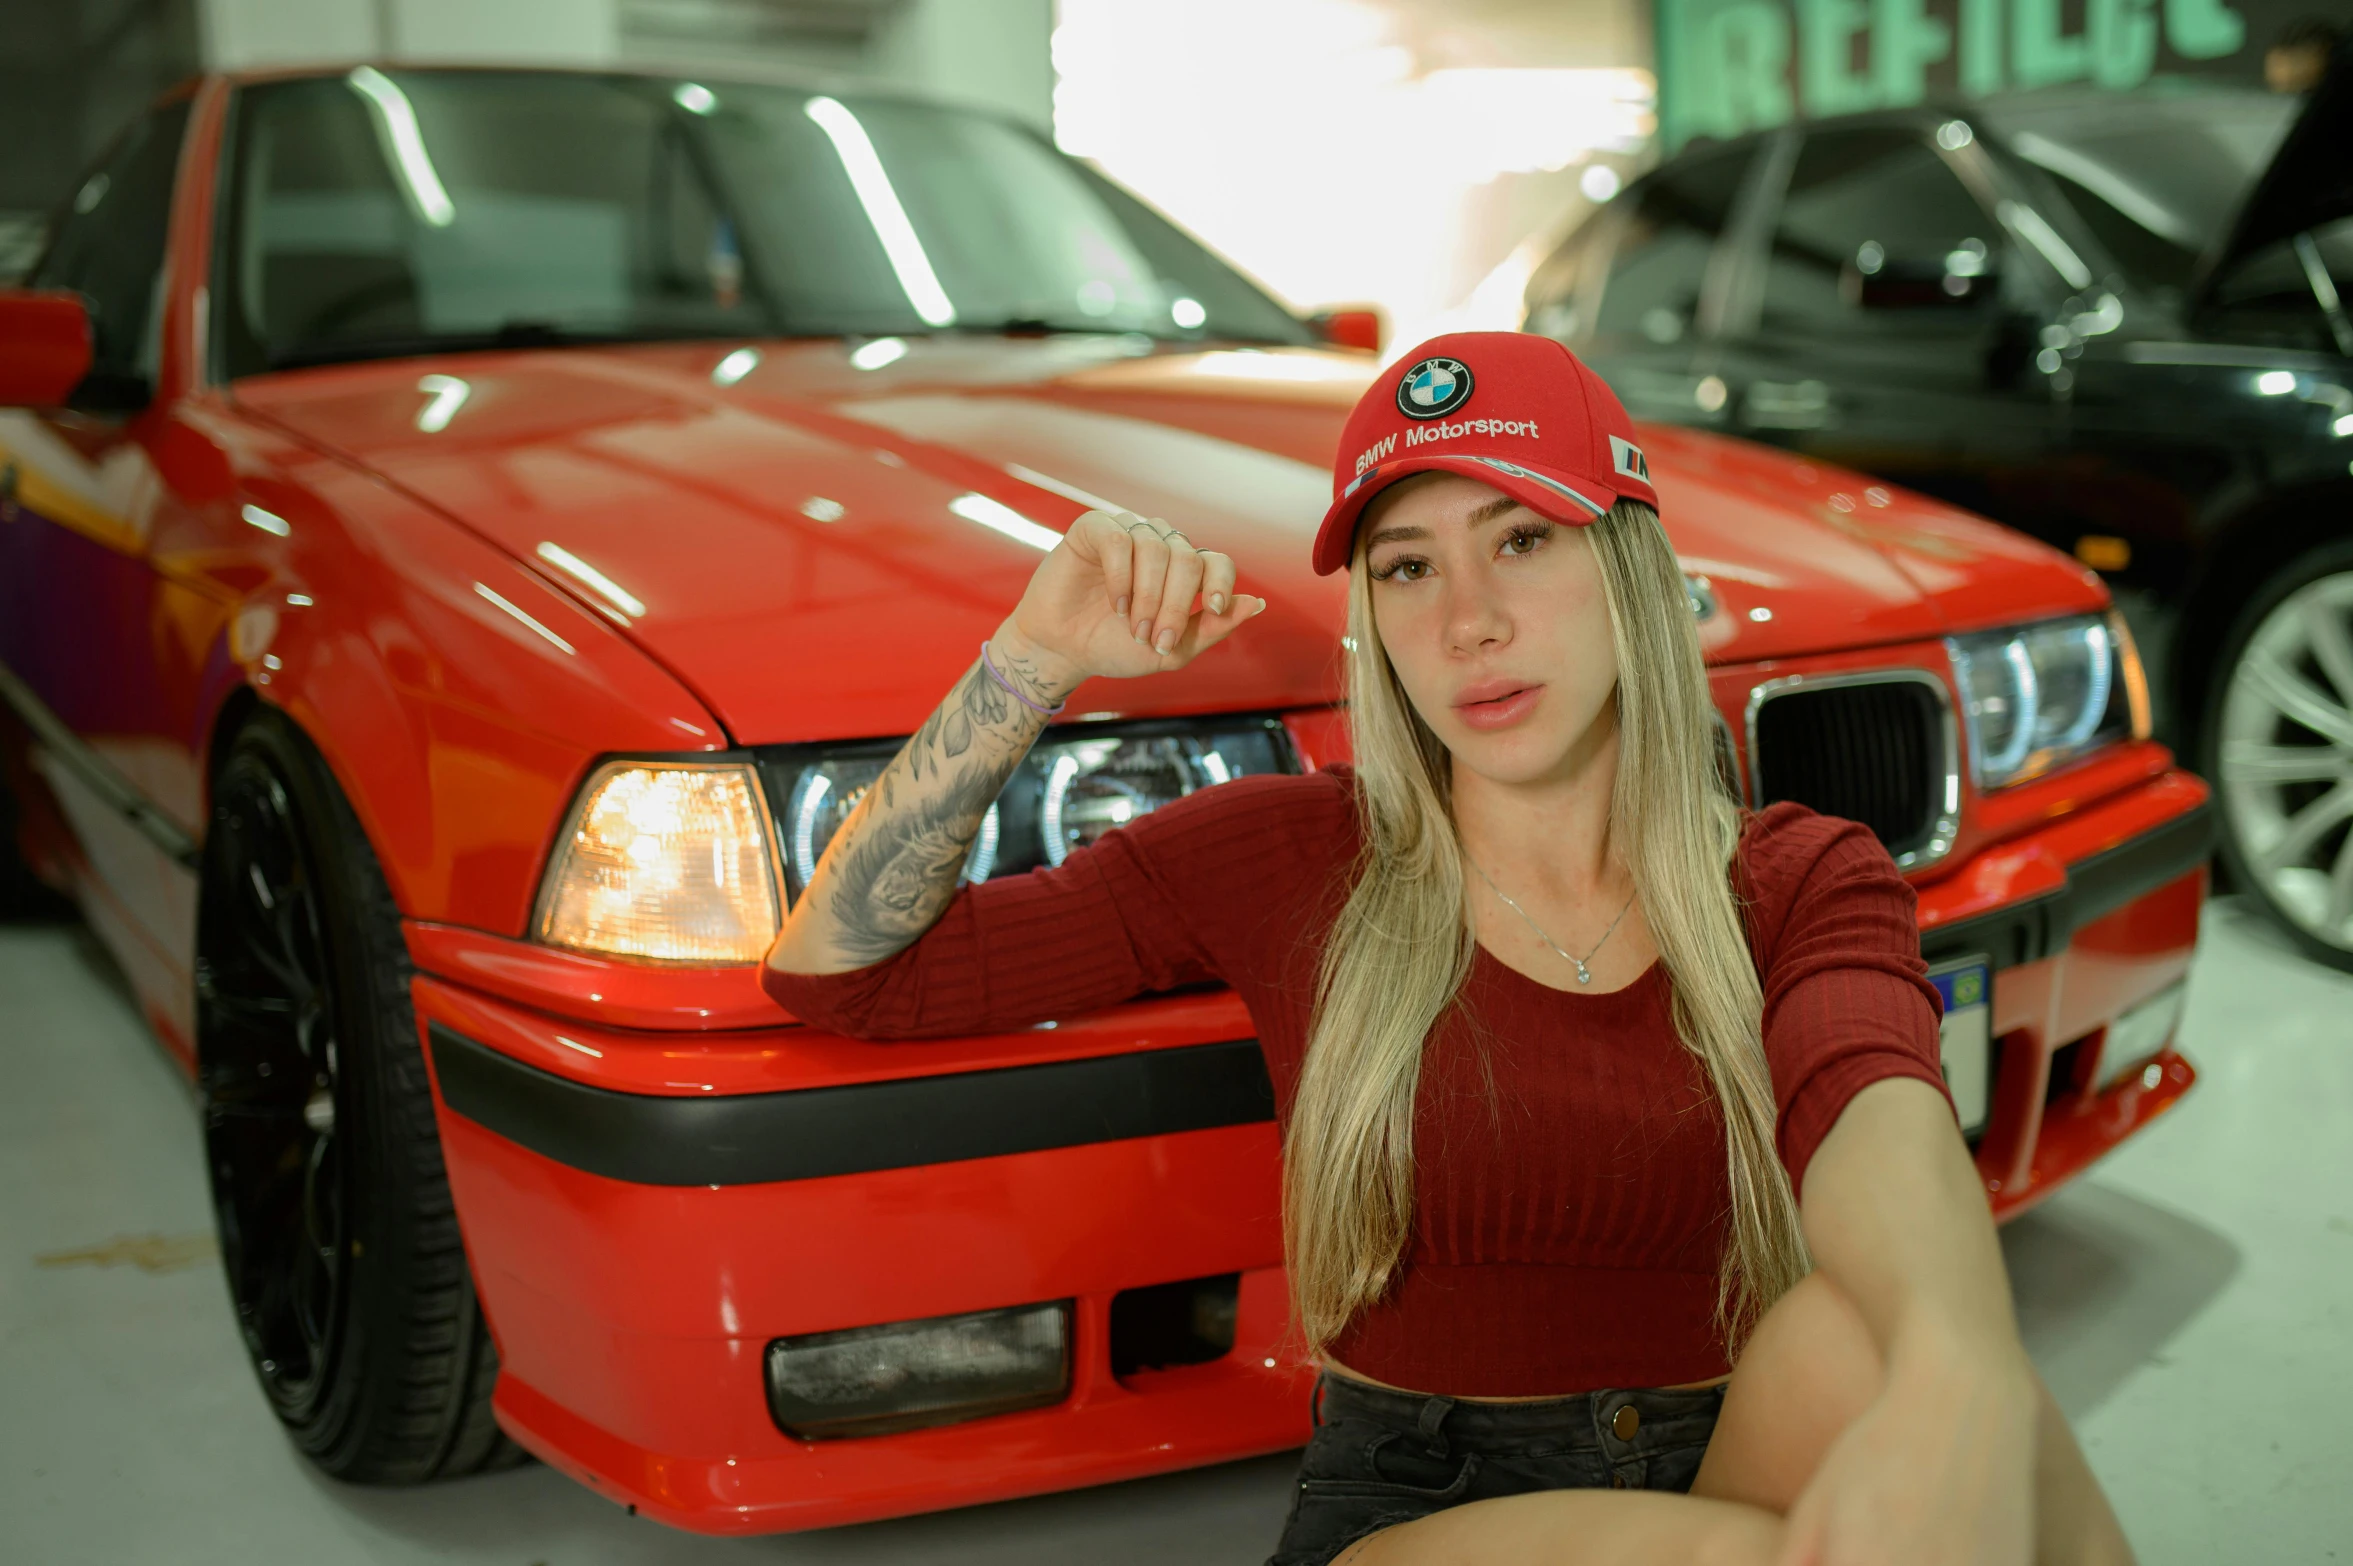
(381, 213)
(2157, 180)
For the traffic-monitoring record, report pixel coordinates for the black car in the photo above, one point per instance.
(2116, 321)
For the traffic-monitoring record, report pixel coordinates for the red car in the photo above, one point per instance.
(466, 537)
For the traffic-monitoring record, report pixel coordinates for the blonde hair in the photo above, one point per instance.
(1397, 957)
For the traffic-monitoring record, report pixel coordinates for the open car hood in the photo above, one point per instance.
(817, 550)
(2308, 183)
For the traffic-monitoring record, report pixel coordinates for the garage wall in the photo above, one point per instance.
(268, 32)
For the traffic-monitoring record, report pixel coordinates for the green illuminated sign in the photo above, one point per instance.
(1728, 66)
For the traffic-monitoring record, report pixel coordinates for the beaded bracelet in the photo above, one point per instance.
(1054, 711)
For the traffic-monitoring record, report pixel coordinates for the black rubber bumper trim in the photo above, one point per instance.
(2096, 887)
(752, 1138)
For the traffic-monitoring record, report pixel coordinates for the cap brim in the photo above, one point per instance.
(1578, 502)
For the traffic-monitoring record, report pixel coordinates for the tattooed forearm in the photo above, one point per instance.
(977, 704)
(893, 866)
(897, 876)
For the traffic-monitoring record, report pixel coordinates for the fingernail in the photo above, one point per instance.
(1164, 642)
(1120, 608)
(1217, 603)
(1143, 627)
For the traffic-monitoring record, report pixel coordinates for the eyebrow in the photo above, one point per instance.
(1479, 517)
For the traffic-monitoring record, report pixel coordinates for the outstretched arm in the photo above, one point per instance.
(1115, 598)
(1961, 1457)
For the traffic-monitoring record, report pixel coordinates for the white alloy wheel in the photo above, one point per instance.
(2285, 754)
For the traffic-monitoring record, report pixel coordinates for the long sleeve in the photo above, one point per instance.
(1175, 897)
(1847, 999)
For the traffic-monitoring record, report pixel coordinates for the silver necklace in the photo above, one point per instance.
(1584, 974)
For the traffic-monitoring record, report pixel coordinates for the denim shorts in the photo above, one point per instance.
(1379, 1457)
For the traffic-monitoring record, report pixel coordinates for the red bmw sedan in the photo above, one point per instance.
(468, 537)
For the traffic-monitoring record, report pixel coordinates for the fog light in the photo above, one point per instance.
(876, 1380)
(2140, 1033)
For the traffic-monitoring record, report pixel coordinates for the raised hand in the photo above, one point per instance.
(1117, 597)
(1122, 595)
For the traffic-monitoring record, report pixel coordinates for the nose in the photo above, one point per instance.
(1475, 617)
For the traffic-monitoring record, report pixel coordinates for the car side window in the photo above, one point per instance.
(1877, 236)
(1665, 233)
(108, 246)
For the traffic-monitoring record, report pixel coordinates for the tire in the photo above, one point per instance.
(2277, 744)
(337, 1232)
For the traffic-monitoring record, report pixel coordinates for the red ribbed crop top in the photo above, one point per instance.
(1568, 1219)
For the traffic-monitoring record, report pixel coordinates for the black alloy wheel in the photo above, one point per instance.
(336, 1228)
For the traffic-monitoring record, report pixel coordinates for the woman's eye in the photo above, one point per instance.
(1521, 541)
(1409, 568)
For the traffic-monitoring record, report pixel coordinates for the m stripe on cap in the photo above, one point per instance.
(1553, 484)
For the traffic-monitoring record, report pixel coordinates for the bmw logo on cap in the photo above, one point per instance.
(1434, 388)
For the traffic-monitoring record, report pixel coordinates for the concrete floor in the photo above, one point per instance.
(2191, 1305)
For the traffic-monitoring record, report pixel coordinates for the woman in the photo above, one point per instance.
(1592, 1089)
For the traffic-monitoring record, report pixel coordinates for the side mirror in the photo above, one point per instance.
(44, 347)
(1359, 327)
(1962, 278)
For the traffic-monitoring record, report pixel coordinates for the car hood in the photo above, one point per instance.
(2307, 185)
(816, 549)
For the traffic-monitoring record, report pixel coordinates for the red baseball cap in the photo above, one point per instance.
(1514, 411)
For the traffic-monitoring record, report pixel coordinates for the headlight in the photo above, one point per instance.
(1066, 793)
(2039, 696)
(667, 862)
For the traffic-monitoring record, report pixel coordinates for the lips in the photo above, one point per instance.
(1495, 704)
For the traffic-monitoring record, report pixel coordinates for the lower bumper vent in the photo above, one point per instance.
(1190, 1322)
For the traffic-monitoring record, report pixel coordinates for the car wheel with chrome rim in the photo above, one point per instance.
(2279, 747)
(336, 1228)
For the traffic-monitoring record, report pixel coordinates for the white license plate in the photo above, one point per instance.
(1966, 1036)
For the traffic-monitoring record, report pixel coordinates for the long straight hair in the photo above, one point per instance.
(1396, 959)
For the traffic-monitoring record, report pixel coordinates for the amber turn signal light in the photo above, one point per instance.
(665, 862)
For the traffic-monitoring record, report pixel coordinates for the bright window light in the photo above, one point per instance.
(1187, 313)
(446, 394)
(515, 612)
(1004, 519)
(876, 354)
(1598, 183)
(883, 211)
(735, 366)
(397, 118)
(695, 98)
(2276, 383)
(1279, 159)
(590, 577)
(267, 521)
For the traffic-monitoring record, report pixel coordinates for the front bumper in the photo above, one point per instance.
(2081, 921)
(647, 1206)
(645, 1211)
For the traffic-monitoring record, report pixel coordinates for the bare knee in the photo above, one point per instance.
(1808, 1370)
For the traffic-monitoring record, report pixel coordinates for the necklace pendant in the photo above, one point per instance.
(1584, 975)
